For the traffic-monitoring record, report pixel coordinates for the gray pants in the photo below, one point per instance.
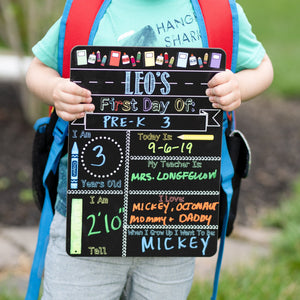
(107, 278)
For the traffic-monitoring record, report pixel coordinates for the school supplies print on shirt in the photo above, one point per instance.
(144, 167)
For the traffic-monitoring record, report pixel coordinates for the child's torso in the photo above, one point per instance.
(163, 23)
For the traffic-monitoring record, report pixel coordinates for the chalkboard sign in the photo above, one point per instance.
(144, 167)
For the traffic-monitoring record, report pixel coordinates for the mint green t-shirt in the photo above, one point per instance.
(155, 23)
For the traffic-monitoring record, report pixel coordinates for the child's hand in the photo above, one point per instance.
(224, 91)
(70, 100)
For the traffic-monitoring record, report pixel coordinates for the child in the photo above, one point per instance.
(156, 24)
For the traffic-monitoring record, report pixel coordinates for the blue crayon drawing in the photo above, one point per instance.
(74, 166)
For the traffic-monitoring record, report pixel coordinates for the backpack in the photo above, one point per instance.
(43, 140)
(219, 29)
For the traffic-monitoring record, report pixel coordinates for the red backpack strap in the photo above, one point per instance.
(218, 22)
(73, 31)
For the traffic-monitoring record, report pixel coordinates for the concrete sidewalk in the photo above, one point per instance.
(18, 246)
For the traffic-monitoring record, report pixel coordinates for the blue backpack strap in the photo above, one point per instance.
(227, 173)
(221, 34)
(59, 133)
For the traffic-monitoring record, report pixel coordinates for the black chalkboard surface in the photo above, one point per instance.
(144, 167)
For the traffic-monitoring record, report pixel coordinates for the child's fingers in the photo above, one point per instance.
(71, 101)
(69, 92)
(220, 78)
(70, 117)
(219, 85)
(220, 90)
(77, 108)
(70, 112)
(77, 93)
(228, 103)
(224, 91)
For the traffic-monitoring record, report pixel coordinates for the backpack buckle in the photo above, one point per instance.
(60, 131)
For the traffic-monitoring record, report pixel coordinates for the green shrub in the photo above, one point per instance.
(24, 22)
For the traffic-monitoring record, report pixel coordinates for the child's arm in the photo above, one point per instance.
(227, 90)
(70, 101)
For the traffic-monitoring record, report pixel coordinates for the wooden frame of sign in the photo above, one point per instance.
(144, 167)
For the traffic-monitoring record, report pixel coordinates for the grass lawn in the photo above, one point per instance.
(276, 24)
(276, 277)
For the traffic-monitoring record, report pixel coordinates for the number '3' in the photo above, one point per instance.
(99, 155)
